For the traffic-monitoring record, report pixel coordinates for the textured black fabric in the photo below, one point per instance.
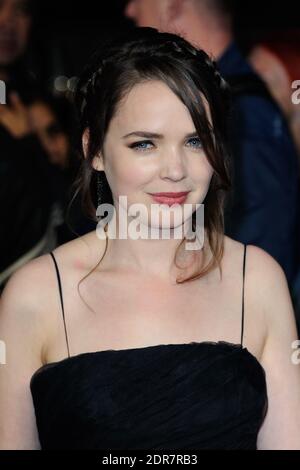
(198, 395)
(178, 396)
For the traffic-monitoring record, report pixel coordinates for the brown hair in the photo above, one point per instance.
(146, 54)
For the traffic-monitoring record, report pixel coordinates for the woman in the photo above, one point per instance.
(113, 343)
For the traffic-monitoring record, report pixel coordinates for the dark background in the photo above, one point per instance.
(263, 12)
(67, 32)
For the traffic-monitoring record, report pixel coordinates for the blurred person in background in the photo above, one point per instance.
(263, 207)
(53, 124)
(50, 131)
(28, 217)
(276, 58)
(15, 25)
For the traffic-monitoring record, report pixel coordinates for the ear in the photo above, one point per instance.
(85, 141)
(97, 161)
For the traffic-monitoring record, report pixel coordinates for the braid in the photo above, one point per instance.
(151, 44)
(87, 83)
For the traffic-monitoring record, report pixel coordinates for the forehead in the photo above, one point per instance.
(149, 96)
(152, 104)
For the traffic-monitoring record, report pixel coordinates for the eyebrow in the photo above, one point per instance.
(153, 135)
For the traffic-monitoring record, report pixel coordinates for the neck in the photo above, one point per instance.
(150, 257)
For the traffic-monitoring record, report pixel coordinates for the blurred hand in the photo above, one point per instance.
(15, 118)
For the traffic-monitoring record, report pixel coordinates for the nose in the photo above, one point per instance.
(173, 166)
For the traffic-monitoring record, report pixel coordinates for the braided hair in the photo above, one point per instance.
(143, 43)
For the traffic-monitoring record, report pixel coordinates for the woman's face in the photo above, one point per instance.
(137, 162)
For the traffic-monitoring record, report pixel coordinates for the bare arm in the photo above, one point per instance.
(22, 330)
(281, 427)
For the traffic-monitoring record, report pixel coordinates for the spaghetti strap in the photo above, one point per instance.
(244, 263)
(61, 299)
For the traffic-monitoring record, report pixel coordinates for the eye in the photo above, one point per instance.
(141, 145)
(198, 144)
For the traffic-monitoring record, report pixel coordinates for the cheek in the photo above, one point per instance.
(201, 180)
(126, 176)
(204, 184)
(201, 172)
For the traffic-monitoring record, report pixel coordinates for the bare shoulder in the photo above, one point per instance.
(30, 297)
(263, 273)
(24, 307)
(269, 289)
(261, 262)
(267, 297)
(269, 316)
(267, 279)
(80, 255)
(35, 279)
(273, 294)
(24, 287)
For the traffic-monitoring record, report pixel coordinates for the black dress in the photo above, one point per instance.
(199, 395)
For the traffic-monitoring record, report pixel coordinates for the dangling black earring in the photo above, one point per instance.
(99, 198)
(99, 189)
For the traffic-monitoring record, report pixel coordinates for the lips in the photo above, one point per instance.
(170, 198)
(170, 194)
